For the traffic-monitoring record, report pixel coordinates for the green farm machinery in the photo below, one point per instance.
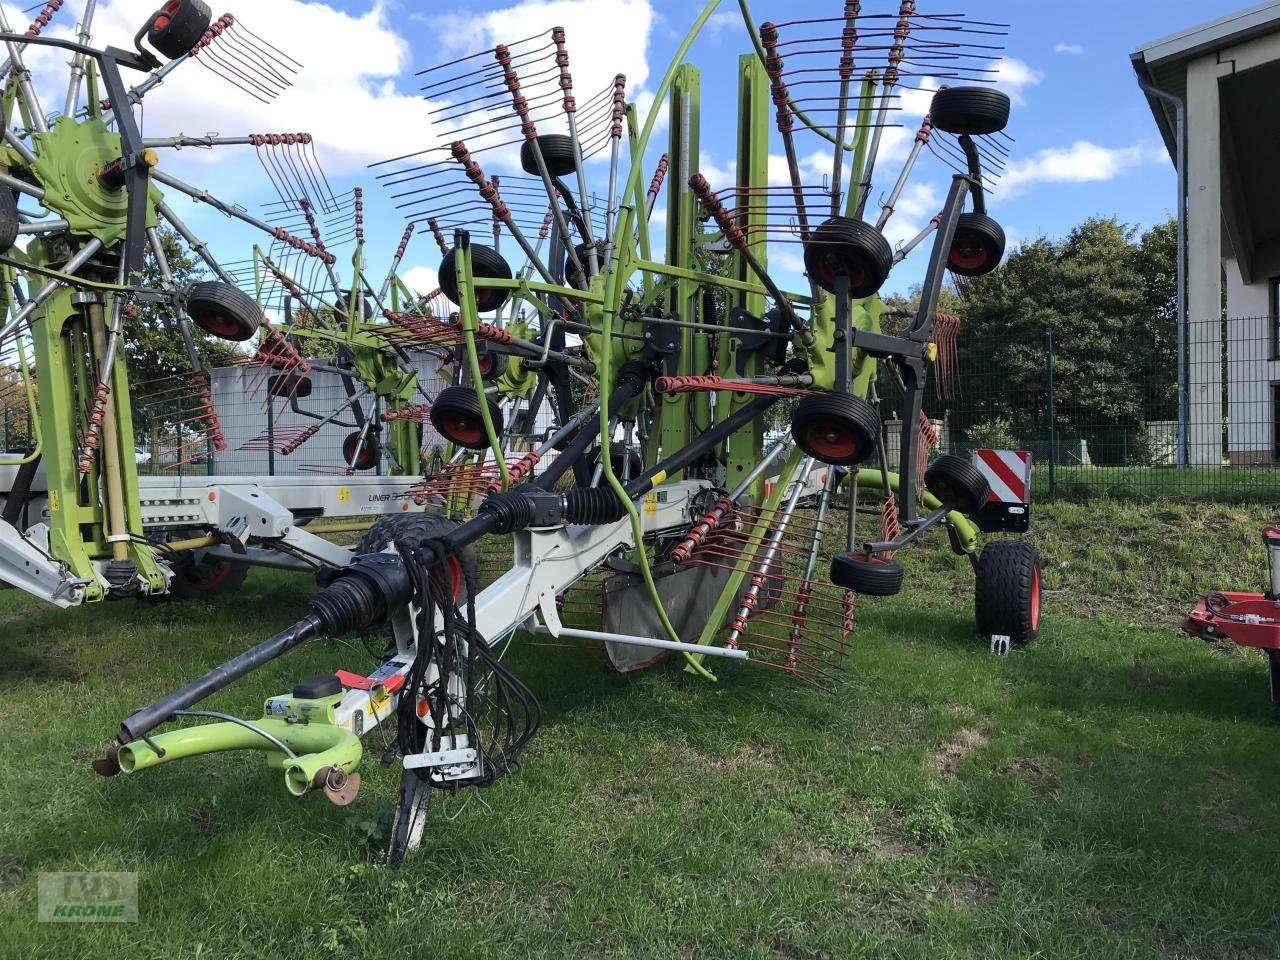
(608, 401)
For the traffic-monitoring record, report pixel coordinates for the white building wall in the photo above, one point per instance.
(240, 396)
(1252, 368)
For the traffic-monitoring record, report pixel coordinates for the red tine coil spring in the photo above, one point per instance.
(502, 54)
(42, 19)
(436, 232)
(417, 412)
(619, 105)
(562, 61)
(404, 242)
(298, 441)
(517, 471)
(714, 517)
(849, 37)
(487, 190)
(777, 86)
(890, 528)
(711, 203)
(659, 175)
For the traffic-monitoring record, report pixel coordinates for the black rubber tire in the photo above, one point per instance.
(1006, 593)
(486, 263)
(492, 365)
(370, 451)
(557, 154)
(413, 528)
(177, 26)
(581, 250)
(223, 310)
(413, 801)
(289, 385)
(193, 577)
(957, 484)
(617, 459)
(858, 246)
(977, 246)
(969, 110)
(456, 417)
(836, 428)
(872, 577)
(8, 219)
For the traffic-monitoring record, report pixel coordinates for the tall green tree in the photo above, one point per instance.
(1107, 293)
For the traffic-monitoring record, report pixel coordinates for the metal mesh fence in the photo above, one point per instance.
(1113, 419)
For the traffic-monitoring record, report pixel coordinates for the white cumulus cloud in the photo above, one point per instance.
(1074, 49)
(1081, 162)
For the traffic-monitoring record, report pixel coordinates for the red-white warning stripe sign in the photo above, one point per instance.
(1008, 472)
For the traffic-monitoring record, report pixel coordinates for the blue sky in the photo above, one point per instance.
(1085, 140)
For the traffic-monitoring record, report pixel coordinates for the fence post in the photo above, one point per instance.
(1050, 418)
(271, 435)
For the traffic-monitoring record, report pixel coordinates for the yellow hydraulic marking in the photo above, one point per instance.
(651, 504)
(344, 494)
(659, 477)
(931, 352)
(53, 499)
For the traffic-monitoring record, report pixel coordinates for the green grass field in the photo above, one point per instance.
(1110, 792)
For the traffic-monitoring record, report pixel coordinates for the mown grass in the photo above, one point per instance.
(1110, 792)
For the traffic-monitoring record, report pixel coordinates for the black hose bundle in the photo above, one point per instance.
(465, 687)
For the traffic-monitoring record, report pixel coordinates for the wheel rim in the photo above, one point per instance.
(219, 324)
(462, 428)
(1035, 599)
(831, 440)
(968, 253)
(193, 576)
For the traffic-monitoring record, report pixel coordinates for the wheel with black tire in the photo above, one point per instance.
(854, 245)
(289, 385)
(8, 219)
(1006, 592)
(196, 574)
(178, 26)
(836, 428)
(557, 153)
(412, 529)
(223, 310)
(869, 576)
(582, 251)
(456, 416)
(969, 110)
(360, 455)
(957, 484)
(413, 800)
(977, 246)
(486, 264)
(492, 366)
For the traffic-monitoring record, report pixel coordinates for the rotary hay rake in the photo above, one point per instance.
(654, 515)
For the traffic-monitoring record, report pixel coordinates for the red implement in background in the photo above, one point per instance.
(1247, 619)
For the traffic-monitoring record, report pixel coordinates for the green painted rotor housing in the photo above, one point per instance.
(69, 158)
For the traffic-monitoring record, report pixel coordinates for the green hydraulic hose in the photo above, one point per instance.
(612, 305)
